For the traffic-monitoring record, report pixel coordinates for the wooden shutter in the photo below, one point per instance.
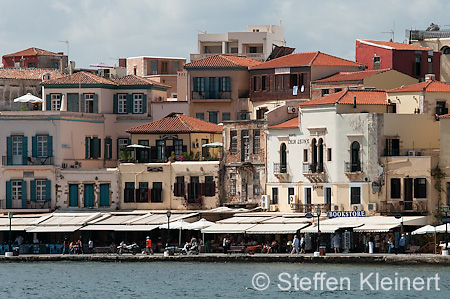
(206, 84)
(9, 150)
(83, 109)
(48, 102)
(34, 146)
(48, 190)
(24, 194)
(24, 150)
(95, 104)
(144, 103)
(129, 103)
(8, 195)
(50, 146)
(195, 83)
(96, 148)
(33, 190)
(87, 143)
(116, 104)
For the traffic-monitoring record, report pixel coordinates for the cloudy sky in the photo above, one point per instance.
(103, 30)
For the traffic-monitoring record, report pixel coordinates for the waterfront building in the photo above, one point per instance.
(429, 97)
(354, 154)
(219, 87)
(412, 60)
(371, 79)
(288, 79)
(256, 43)
(36, 58)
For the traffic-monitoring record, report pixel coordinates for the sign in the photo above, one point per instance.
(445, 220)
(309, 215)
(317, 187)
(154, 169)
(398, 216)
(282, 70)
(335, 214)
(65, 146)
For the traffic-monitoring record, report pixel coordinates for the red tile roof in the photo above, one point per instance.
(350, 76)
(176, 123)
(306, 59)
(79, 78)
(395, 46)
(433, 86)
(32, 52)
(444, 116)
(223, 61)
(346, 97)
(136, 80)
(292, 123)
(28, 74)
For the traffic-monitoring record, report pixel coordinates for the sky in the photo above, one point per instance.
(104, 30)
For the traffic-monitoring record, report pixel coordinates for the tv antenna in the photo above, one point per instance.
(67, 43)
(391, 32)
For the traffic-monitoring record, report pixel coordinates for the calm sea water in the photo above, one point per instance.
(203, 280)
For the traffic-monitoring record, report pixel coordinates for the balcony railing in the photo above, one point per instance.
(197, 95)
(352, 167)
(257, 56)
(30, 161)
(194, 200)
(31, 205)
(279, 168)
(311, 208)
(398, 206)
(312, 168)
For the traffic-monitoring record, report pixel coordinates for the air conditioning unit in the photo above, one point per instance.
(357, 207)
(292, 109)
(195, 145)
(273, 208)
(292, 199)
(335, 207)
(265, 202)
(372, 206)
(63, 165)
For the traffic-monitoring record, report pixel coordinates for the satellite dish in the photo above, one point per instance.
(302, 89)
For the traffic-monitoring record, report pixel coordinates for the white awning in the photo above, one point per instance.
(228, 228)
(14, 228)
(119, 227)
(376, 228)
(276, 228)
(53, 229)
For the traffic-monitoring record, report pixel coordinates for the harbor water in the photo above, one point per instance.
(218, 280)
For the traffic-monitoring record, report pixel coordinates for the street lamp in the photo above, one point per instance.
(169, 213)
(318, 211)
(10, 216)
(446, 208)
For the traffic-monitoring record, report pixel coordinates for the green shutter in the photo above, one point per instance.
(24, 194)
(82, 103)
(72, 102)
(216, 87)
(95, 104)
(48, 190)
(108, 151)
(104, 195)
(129, 103)
(34, 146)
(73, 195)
(144, 103)
(24, 150)
(228, 83)
(195, 83)
(95, 148)
(33, 190)
(87, 144)
(8, 195)
(116, 104)
(49, 146)
(206, 87)
(9, 150)
(48, 102)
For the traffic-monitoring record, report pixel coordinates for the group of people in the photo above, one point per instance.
(298, 245)
(76, 247)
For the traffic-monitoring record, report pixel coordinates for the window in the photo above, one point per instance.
(55, 65)
(256, 183)
(440, 108)
(305, 155)
(325, 92)
(194, 190)
(210, 186)
(93, 148)
(89, 103)
(308, 196)
(55, 102)
(164, 67)
(226, 116)
(337, 89)
(122, 103)
(329, 154)
(17, 194)
(445, 50)
(395, 188)
(199, 84)
(417, 65)
(256, 142)
(392, 147)
(108, 148)
(264, 82)
(122, 144)
(178, 146)
(129, 192)
(376, 62)
(160, 149)
(355, 195)
(41, 190)
(213, 117)
(142, 195)
(256, 82)
(245, 145)
(233, 142)
(153, 67)
(290, 192)
(200, 115)
(42, 146)
(225, 84)
(244, 116)
(138, 103)
(174, 67)
(31, 65)
(178, 189)
(274, 196)
(260, 113)
(355, 163)
(232, 184)
(420, 188)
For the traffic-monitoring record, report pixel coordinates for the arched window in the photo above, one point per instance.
(320, 155)
(283, 158)
(314, 155)
(355, 159)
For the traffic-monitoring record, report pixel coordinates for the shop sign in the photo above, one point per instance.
(335, 214)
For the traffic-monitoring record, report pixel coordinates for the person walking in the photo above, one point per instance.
(148, 246)
(295, 245)
(402, 244)
(65, 248)
(336, 243)
(370, 244)
(302, 244)
(225, 245)
(91, 246)
(390, 244)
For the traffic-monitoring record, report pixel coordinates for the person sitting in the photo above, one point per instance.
(266, 247)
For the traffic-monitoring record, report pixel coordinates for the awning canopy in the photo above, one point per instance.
(53, 229)
(14, 228)
(228, 228)
(276, 228)
(376, 228)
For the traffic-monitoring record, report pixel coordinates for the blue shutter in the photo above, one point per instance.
(132, 104)
(8, 195)
(216, 87)
(95, 104)
(24, 194)
(116, 104)
(89, 195)
(206, 79)
(34, 146)
(24, 150)
(49, 146)
(129, 103)
(228, 83)
(144, 103)
(96, 148)
(48, 102)
(48, 190)
(73, 195)
(87, 144)
(33, 190)
(104, 195)
(8, 150)
(195, 83)
(82, 103)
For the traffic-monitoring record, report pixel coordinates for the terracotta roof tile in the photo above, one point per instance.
(291, 123)
(79, 78)
(346, 97)
(395, 46)
(136, 80)
(306, 59)
(28, 74)
(176, 123)
(223, 61)
(430, 86)
(32, 52)
(444, 116)
(350, 76)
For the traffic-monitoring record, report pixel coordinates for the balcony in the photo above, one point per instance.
(211, 96)
(314, 172)
(415, 207)
(311, 208)
(30, 161)
(353, 171)
(257, 56)
(31, 206)
(194, 200)
(280, 171)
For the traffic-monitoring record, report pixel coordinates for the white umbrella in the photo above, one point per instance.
(179, 224)
(29, 98)
(199, 225)
(136, 146)
(441, 229)
(427, 229)
(214, 144)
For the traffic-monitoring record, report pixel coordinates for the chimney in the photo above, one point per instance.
(430, 77)
(354, 102)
